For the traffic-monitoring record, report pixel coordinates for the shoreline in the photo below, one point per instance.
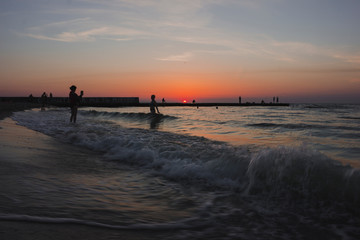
(24, 230)
(7, 108)
(13, 229)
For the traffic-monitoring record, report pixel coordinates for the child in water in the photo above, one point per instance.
(153, 105)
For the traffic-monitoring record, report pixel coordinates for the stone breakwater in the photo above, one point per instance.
(122, 101)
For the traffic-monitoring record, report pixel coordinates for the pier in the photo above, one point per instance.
(128, 102)
(216, 104)
(85, 101)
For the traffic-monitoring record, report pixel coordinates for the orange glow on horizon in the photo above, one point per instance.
(180, 86)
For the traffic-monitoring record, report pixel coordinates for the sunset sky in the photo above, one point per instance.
(208, 50)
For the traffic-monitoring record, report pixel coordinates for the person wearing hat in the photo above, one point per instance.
(74, 102)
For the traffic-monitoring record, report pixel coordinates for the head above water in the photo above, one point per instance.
(73, 88)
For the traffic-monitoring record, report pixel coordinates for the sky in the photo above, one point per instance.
(208, 50)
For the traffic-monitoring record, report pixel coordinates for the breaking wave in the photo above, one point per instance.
(290, 173)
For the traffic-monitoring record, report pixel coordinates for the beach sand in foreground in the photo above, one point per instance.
(12, 147)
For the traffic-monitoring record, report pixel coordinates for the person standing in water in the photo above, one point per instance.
(153, 105)
(74, 102)
(43, 101)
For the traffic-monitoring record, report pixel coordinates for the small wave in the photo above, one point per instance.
(327, 106)
(302, 173)
(190, 223)
(302, 126)
(133, 116)
(350, 118)
(287, 126)
(264, 125)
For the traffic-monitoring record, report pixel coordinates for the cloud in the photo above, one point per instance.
(311, 70)
(88, 35)
(69, 22)
(69, 36)
(297, 49)
(348, 58)
(177, 58)
(181, 21)
(77, 30)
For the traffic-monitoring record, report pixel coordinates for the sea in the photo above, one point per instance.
(249, 172)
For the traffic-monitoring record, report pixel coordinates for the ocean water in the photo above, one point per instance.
(219, 173)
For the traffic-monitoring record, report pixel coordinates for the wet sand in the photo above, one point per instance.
(14, 141)
(46, 231)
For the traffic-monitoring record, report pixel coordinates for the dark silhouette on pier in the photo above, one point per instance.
(133, 102)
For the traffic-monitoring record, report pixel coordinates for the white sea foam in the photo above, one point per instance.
(285, 171)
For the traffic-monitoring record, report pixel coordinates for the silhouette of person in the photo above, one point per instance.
(153, 105)
(74, 102)
(277, 99)
(43, 101)
(163, 100)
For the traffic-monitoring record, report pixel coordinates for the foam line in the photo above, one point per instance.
(183, 224)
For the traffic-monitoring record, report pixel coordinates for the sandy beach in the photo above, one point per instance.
(17, 144)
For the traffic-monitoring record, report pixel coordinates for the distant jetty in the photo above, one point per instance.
(127, 102)
(216, 104)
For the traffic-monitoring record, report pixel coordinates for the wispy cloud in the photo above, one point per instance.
(348, 57)
(77, 30)
(72, 36)
(298, 50)
(64, 23)
(178, 58)
(189, 22)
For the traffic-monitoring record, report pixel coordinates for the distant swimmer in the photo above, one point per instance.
(153, 105)
(74, 102)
